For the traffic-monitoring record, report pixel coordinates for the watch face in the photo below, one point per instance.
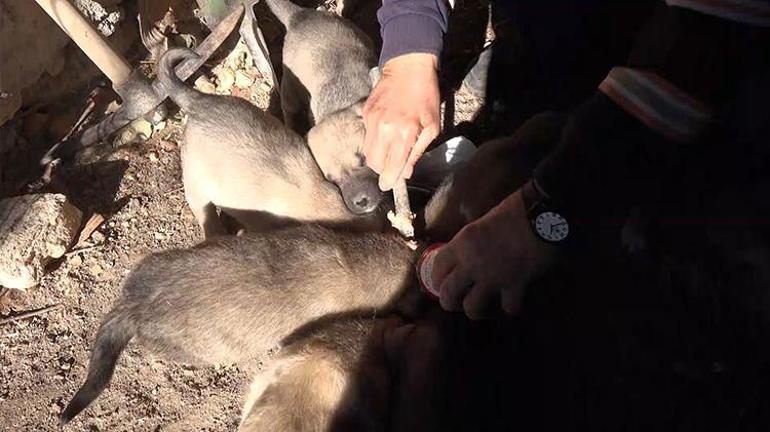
(551, 226)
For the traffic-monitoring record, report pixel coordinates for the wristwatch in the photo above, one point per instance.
(547, 224)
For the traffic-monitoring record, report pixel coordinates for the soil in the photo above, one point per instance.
(138, 190)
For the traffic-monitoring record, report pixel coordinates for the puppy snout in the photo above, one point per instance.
(365, 202)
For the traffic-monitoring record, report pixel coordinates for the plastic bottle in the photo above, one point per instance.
(425, 270)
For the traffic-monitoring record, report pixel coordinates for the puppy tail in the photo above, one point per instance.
(283, 10)
(182, 94)
(115, 332)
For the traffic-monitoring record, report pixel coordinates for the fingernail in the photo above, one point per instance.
(384, 185)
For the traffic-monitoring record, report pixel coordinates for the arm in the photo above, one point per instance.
(412, 26)
(681, 72)
(402, 112)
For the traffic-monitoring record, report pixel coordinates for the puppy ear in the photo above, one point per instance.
(358, 108)
(313, 138)
(374, 75)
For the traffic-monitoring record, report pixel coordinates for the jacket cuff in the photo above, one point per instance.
(408, 34)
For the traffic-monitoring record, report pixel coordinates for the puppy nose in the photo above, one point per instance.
(364, 203)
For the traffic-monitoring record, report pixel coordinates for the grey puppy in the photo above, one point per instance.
(326, 74)
(233, 298)
(326, 63)
(244, 161)
(314, 382)
(311, 386)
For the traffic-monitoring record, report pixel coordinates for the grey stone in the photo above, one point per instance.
(34, 229)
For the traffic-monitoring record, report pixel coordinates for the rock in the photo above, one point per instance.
(76, 261)
(242, 80)
(225, 80)
(33, 230)
(96, 269)
(159, 126)
(137, 131)
(105, 20)
(97, 237)
(152, 156)
(40, 64)
(204, 85)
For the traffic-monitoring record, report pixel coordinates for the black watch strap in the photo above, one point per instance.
(533, 197)
(547, 224)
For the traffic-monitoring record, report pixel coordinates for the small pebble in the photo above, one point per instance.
(54, 408)
(226, 79)
(97, 237)
(96, 269)
(242, 80)
(76, 260)
(152, 156)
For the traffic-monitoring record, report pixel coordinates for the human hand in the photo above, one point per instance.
(489, 263)
(401, 116)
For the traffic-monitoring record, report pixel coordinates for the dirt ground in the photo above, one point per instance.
(139, 191)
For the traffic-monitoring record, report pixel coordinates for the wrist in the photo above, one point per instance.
(411, 33)
(411, 63)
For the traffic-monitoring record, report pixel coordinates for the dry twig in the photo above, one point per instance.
(30, 314)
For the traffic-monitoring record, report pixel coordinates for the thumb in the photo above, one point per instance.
(427, 135)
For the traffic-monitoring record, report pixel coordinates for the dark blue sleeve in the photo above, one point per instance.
(412, 26)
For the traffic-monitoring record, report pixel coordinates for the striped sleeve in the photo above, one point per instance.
(687, 60)
(753, 12)
(657, 103)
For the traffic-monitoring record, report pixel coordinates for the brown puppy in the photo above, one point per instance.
(326, 64)
(334, 378)
(233, 298)
(244, 161)
(313, 382)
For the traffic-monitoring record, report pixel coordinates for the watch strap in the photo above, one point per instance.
(533, 197)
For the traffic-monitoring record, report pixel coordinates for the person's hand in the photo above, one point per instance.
(489, 263)
(401, 116)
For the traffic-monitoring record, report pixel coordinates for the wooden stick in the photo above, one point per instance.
(96, 47)
(402, 219)
(30, 314)
(82, 249)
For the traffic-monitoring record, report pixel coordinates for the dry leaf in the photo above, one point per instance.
(91, 226)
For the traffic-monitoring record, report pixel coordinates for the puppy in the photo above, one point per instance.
(244, 161)
(233, 298)
(326, 77)
(326, 63)
(315, 381)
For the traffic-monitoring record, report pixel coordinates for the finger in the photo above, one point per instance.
(427, 135)
(398, 152)
(510, 299)
(481, 302)
(454, 289)
(374, 150)
(443, 264)
(371, 102)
